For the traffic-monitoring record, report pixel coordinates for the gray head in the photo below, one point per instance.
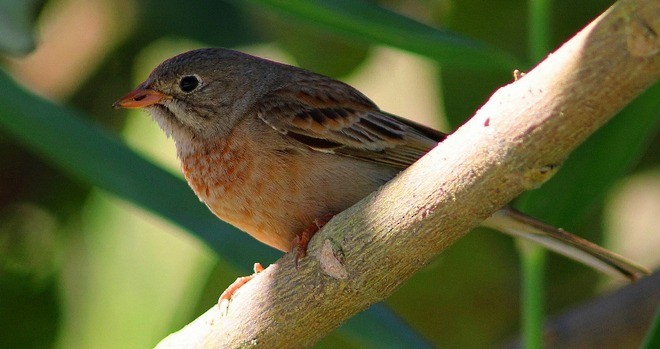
(203, 93)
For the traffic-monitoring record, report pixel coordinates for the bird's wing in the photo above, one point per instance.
(332, 117)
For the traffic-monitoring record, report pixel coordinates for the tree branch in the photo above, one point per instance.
(513, 144)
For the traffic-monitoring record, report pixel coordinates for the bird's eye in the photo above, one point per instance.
(188, 83)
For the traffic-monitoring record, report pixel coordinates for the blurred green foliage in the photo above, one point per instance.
(16, 24)
(66, 249)
(652, 340)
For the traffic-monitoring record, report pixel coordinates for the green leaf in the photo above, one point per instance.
(211, 22)
(16, 22)
(372, 23)
(652, 339)
(378, 327)
(311, 46)
(64, 138)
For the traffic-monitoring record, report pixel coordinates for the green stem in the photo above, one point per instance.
(538, 29)
(533, 294)
(532, 256)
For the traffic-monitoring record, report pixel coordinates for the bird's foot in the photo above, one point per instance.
(225, 297)
(302, 240)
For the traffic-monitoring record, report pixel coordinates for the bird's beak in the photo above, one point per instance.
(140, 98)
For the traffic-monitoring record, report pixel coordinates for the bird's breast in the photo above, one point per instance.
(274, 194)
(217, 170)
(243, 187)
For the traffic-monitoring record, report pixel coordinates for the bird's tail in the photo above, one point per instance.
(515, 223)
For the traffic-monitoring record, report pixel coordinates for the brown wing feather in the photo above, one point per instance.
(329, 116)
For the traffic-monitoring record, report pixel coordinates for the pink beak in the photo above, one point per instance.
(140, 98)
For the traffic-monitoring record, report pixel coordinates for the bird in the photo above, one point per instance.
(276, 150)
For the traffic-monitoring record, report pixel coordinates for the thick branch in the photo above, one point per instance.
(511, 145)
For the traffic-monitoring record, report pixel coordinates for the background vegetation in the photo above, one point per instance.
(102, 244)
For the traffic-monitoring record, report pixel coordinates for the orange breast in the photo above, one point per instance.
(244, 187)
(259, 183)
